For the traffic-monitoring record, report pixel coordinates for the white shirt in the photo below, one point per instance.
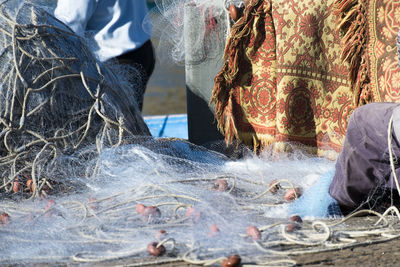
(116, 26)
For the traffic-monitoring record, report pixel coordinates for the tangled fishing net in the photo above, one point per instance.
(198, 206)
(55, 99)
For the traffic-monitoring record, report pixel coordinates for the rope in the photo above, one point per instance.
(391, 158)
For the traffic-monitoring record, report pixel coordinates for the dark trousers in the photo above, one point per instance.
(143, 59)
(363, 176)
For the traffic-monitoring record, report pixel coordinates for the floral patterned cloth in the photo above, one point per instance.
(369, 29)
(284, 79)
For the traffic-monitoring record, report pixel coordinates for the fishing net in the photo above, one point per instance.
(170, 19)
(55, 99)
(203, 200)
(199, 205)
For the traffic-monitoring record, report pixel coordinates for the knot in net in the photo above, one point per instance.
(55, 99)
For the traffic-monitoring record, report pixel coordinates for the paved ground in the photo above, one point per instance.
(384, 254)
(379, 254)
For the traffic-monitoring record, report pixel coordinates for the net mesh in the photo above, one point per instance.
(200, 205)
(169, 20)
(56, 98)
(203, 200)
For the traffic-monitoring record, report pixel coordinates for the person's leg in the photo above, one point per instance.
(363, 164)
(145, 58)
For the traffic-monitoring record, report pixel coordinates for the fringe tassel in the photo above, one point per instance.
(228, 77)
(353, 26)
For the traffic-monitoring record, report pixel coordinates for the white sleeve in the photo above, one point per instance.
(75, 13)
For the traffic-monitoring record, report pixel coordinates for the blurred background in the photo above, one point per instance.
(166, 91)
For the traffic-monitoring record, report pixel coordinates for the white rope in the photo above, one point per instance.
(389, 139)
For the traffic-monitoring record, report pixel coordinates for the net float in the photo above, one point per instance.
(30, 185)
(220, 185)
(16, 185)
(148, 212)
(295, 221)
(254, 233)
(153, 250)
(140, 208)
(193, 214)
(151, 212)
(290, 227)
(4, 218)
(232, 261)
(214, 230)
(292, 194)
(274, 186)
(233, 12)
(296, 218)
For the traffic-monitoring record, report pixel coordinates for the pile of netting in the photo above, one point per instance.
(55, 98)
(169, 201)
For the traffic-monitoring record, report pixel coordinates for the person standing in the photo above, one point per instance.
(115, 28)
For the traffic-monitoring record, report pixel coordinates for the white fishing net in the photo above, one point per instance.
(199, 27)
(200, 205)
(101, 221)
(55, 98)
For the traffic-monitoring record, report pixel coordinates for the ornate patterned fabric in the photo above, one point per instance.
(369, 30)
(284, 79)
